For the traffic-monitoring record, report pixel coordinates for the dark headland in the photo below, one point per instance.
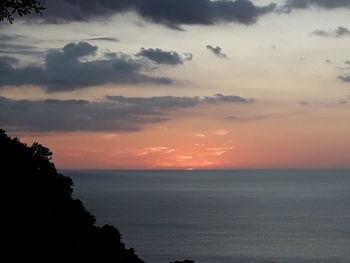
(41, 221)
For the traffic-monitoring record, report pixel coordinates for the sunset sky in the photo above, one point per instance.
(181, 84)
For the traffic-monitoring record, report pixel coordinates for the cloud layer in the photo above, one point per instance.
(338, 32)
(65, 70)
(117, 113)
(217, 51)
(169, 12)
(164, 57)
(346, 77)
(319, 3)
(9, 45)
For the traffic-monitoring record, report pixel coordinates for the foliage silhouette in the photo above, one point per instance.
(8, 8)
(40, 221)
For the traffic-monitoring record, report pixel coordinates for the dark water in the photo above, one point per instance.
(224, 216)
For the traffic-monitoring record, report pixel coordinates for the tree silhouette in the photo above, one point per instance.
(40, 221)
(9, 8)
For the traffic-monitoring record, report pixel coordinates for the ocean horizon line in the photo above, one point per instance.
(191, 170)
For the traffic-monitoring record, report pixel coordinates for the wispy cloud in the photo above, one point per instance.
(156, 149)
(206, 162)
(183, 158)
(217, 51)
(338, 32)
(221, 132)
(219, 151)
(200, 135)
(107, 39)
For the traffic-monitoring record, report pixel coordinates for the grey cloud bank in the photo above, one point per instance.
(9, 45)
(330, 4)
(168, 12)
(346, 77)
(338, 32)
(117, 113)
(174, 102)
(164, 57)
(65, 71)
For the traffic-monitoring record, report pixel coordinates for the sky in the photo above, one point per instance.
(181, 84)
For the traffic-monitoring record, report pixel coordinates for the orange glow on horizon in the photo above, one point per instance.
(209, 143)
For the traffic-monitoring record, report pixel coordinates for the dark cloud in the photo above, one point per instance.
(168, 12)
(175, 102)
(15, 47)
(156, 103)
(108, 39)
(117, 113)
(217, 51)
(4, 37)
(342, 31)
(8, 48)
(247, 118)
(164, 57)
(5, 60)
(67, 115)
(318, 3)
(338, 32)
(9, 45)
(64, 70)
(81, 49)
(321, 33)
(345, 78)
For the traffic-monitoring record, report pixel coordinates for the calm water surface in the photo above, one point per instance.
(224, 216)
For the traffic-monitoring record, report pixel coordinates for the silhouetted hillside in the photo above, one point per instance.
(40, 221)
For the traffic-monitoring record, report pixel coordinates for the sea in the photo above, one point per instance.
(224, 216)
